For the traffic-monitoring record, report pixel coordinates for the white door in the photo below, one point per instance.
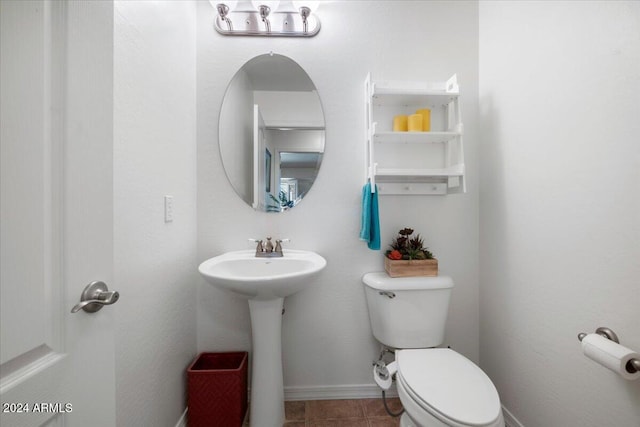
(56, 120)
(259, 160)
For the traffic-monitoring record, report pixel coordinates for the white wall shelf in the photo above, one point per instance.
(413, 137)
(417, 163)
(454, 171)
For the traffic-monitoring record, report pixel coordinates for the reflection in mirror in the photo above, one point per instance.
(271, 133)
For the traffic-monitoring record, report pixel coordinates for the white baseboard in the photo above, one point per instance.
(509, 419)
(349, 391)
(182, 422)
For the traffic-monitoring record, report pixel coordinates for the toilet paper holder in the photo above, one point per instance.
(633, 365)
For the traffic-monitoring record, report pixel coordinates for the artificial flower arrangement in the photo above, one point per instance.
(409, 257)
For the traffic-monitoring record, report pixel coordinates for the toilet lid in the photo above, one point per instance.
(449, 384)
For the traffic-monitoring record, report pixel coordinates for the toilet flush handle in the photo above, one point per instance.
(387, 294)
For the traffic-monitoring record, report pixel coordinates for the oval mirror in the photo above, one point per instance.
(271, 133)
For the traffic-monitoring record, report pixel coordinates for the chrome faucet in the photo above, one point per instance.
(267, 250)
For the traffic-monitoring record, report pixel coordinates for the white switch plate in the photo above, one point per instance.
(168, 208)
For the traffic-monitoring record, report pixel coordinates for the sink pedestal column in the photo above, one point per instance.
(267, 389)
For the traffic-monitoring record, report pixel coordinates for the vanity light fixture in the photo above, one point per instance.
(268, 18)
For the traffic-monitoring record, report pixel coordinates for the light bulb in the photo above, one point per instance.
(286, 6)
(231, 4)
(272, 4)
(313, 5)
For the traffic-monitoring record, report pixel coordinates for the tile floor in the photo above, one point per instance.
(341, 413)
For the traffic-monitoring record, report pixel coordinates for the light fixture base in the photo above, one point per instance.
(282, 24)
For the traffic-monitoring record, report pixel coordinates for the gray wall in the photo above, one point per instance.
(154, 156)
(328, 345)
(560, 205)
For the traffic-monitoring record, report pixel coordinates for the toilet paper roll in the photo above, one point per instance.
(610, 355)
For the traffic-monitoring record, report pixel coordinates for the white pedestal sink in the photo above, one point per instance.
(265, 282)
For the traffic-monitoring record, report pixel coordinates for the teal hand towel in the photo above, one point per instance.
(365, 218)
(370, 219)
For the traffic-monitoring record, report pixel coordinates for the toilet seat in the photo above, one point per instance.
(448, 386)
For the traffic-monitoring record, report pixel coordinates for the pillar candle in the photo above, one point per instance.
(400, 123)
(415, 123)
(426, 119)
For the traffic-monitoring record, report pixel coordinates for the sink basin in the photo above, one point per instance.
(264, 282)
(262, 278)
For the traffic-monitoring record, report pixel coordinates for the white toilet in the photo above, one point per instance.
(437, 386)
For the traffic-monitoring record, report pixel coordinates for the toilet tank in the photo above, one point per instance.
(408, 312)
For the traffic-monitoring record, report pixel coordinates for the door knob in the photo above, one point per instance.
(94, 296)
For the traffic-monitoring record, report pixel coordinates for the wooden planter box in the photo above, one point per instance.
(411, 268)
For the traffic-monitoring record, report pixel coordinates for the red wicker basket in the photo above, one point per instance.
(218, 389)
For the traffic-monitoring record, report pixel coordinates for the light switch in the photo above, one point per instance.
(168, 208)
